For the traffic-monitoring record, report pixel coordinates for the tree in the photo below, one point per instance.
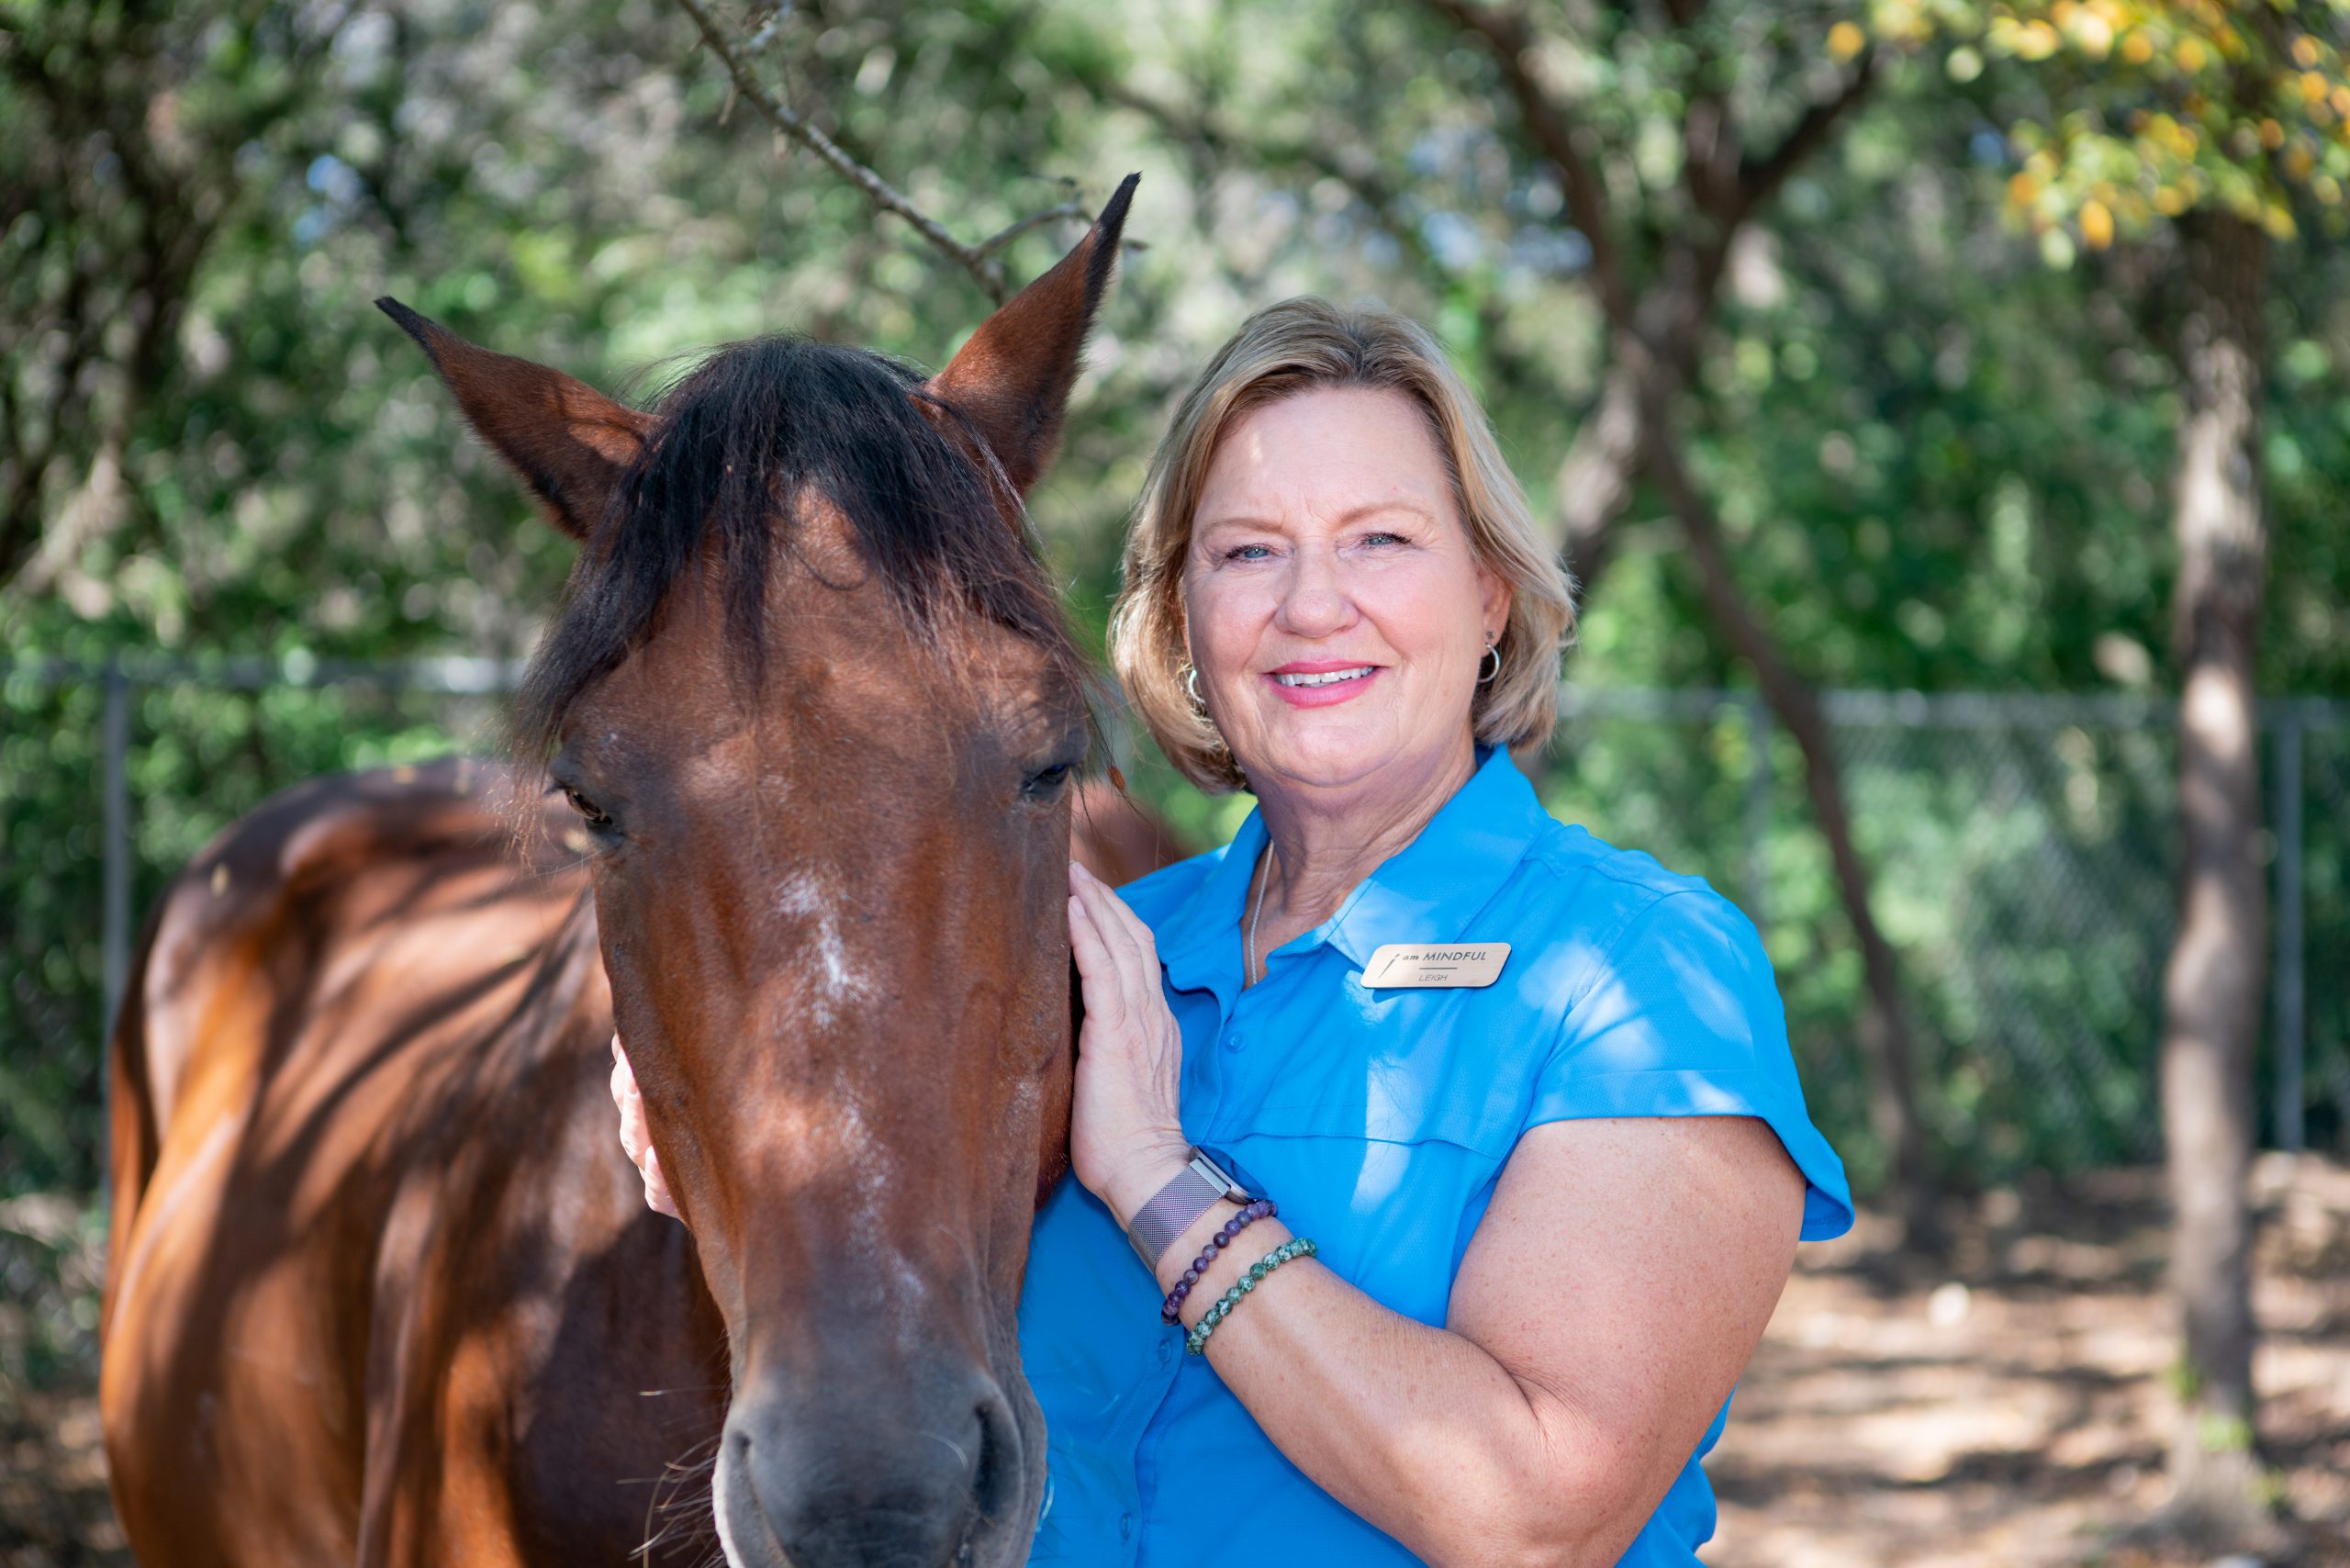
(123, 173)
(1656, 272)
(2211, 119)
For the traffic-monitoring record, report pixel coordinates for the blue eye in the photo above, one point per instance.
(1236, 553)
(1382, 535)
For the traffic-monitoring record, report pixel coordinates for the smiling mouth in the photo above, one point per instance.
(1325, 677)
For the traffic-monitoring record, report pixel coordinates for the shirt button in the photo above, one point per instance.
(1166, 1351)
(1235, 1040)
(1125, 1527)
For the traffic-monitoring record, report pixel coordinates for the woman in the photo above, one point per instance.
(1521, 1101)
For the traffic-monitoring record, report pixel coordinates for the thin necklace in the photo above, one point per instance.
(1249, 948)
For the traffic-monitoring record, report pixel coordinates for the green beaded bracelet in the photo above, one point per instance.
(1195, 1339)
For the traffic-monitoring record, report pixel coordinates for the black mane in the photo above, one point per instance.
(741, 439)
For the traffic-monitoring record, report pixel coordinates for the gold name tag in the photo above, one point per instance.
(1472, 963)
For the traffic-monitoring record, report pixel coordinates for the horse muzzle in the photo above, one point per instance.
(927, 1471)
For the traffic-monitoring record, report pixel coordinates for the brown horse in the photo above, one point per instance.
(383, 1289)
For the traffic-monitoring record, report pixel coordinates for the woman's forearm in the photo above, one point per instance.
(1417, 1428)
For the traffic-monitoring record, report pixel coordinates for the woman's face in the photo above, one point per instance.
(1337, 611)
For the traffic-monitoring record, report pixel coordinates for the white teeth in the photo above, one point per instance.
(1327, 677)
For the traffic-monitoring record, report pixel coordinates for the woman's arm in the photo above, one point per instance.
(1608, 1304)
(1610, 1298)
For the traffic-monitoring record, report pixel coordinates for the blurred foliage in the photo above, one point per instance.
(1941, 461)
(2157, 108)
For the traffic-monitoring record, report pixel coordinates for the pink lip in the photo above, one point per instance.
(1322, 696)
(1318, 666)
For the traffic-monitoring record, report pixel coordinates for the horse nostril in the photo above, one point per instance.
(996, 1479)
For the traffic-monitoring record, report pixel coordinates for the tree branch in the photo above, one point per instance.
(1006, 235)
(1711, 143)
(1759, 179)
(1725, 186)
(979, 260)
(1508, 38)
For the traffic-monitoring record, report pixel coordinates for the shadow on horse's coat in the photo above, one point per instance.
(383, 1288)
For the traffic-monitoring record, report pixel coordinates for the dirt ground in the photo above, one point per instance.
(2011, 1408)
(2007, 1407)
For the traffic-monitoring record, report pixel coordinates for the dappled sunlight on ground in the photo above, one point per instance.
(2010, 1407)
(53, 1507)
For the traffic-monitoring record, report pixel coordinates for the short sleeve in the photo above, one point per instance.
(1681, 1017)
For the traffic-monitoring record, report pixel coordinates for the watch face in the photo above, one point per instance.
(1245, 1187)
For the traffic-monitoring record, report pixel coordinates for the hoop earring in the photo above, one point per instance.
(1191, 684)
(1485, 677)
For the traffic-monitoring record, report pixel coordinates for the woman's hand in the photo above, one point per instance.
(1126, 1132)
(634, 1137)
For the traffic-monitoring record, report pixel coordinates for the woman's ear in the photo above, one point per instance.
(1495, 598)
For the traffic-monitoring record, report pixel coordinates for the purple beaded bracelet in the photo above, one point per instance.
(1263, 1208)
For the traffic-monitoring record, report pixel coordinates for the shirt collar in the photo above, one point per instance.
(1426, 891)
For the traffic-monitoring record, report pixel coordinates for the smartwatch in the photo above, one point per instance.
(1212, 1175)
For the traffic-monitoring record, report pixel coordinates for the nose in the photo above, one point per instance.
(907, 1479)
(1314, 600)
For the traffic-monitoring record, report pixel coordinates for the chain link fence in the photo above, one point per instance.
(2023, 849)
(2316, 926)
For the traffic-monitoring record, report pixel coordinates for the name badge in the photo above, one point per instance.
(1469, 965)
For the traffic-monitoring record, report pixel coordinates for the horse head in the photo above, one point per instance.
(812, 698)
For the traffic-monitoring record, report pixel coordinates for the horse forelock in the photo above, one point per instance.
(756, 430)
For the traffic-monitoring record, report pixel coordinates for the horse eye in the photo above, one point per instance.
(1047, 782)
(585, 808)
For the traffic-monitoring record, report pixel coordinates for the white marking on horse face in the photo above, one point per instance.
(834, 980)
(830, 985)
(867, 1163)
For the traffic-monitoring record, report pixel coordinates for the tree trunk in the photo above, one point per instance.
(1656, 326)
(1652, 359)
(1630, 431)
(1594, 482)
(2213, 984)
(1886, 1041)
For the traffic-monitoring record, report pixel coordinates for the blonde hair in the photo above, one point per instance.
(1296, 346)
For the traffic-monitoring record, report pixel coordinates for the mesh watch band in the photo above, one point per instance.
(1173, 1207)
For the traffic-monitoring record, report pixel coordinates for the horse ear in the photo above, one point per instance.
(568, 441)
(1012, 380)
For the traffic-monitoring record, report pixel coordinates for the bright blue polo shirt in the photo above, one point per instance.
(1380, 1121)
